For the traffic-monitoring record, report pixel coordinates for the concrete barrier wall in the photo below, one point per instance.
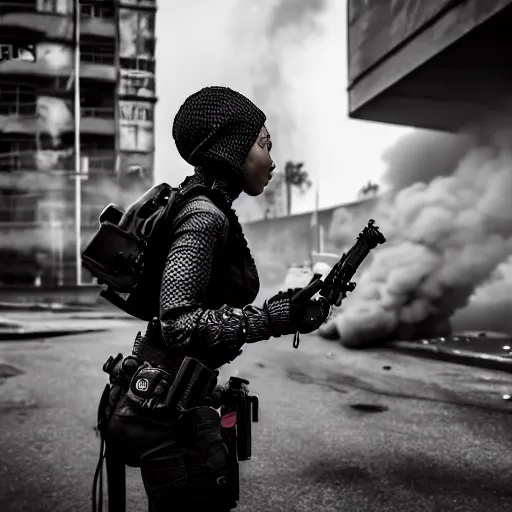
(278, 243)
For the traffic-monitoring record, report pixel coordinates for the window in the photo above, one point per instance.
(97, 103)
(18, 207)
(17, 100)
(54, 211)
(137, 34)
(97, 9)
(17, 155)
(97, 53)
(137, 64)
(133, 137)
(100, 162)
(55, 6)
(59, 83)
(14, 52)
(136, 125)
(17, 6)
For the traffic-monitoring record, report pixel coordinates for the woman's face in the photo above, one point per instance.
(258, 165)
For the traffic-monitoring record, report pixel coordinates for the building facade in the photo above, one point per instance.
(37, 126)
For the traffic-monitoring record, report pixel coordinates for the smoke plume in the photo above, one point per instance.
(446, 236)
(490, 306)
(422, 155)
(270, 66)
(272, 35)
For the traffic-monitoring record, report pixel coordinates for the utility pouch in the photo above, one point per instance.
(149, 387)
(192, 385)
(120, 369)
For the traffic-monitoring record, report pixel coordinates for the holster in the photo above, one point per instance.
(150, 388)
(239, 409)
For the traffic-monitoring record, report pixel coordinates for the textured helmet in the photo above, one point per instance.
(216, 127)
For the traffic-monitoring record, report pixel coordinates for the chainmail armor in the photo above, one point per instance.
(210, 276)
(201, 230)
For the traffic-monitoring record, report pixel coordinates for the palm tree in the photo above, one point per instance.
(295, 176)
(370, 189)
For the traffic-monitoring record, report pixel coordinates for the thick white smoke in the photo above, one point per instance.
(445, 238)
(271, 67)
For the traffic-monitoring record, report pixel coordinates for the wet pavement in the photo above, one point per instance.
(492, 343)
(24, 325)
(340, 430)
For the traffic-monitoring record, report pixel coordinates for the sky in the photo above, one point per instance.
(292, 63)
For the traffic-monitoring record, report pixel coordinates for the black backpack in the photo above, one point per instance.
(129, 250)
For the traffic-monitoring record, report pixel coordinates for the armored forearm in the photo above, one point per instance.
(186, 325)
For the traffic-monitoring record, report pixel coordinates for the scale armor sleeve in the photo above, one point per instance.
(200, 229)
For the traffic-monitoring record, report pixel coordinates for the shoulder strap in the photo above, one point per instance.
(143, 302)
(182, 196)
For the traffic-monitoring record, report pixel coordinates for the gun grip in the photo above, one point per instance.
(308, 291)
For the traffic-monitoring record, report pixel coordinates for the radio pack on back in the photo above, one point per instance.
(128, 251)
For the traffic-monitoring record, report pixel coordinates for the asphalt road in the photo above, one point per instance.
(339, 430)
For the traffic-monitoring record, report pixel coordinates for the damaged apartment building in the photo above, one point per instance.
(38, 165)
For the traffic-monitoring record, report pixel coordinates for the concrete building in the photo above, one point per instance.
(436, 64)
(37, 126)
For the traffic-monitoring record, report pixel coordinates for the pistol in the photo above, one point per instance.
(338, 282)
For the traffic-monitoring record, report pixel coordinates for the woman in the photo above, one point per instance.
(209, 279)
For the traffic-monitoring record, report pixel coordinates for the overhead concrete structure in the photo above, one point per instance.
(438, 64)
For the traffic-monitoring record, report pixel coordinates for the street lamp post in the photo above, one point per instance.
(78, 177)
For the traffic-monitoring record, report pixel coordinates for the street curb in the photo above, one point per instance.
(50, 307)
(31, 335)
(102, 316)
(73, 312)
(457, 356)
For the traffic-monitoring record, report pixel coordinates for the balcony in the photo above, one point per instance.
(97, 54)
(17, 99)
(134, 83)
(18, 168)
(92, 71)
(8, 108)
(15, 124)
(97, 112)
(18, 207)
(21, 6)
(100, 162)
(40, 26)
(17, 160)
(98, 126)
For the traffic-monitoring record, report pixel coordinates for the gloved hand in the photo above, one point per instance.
(216, 397)
(286, 317)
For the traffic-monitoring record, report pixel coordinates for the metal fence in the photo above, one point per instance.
(20, 108)
(98, 112)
